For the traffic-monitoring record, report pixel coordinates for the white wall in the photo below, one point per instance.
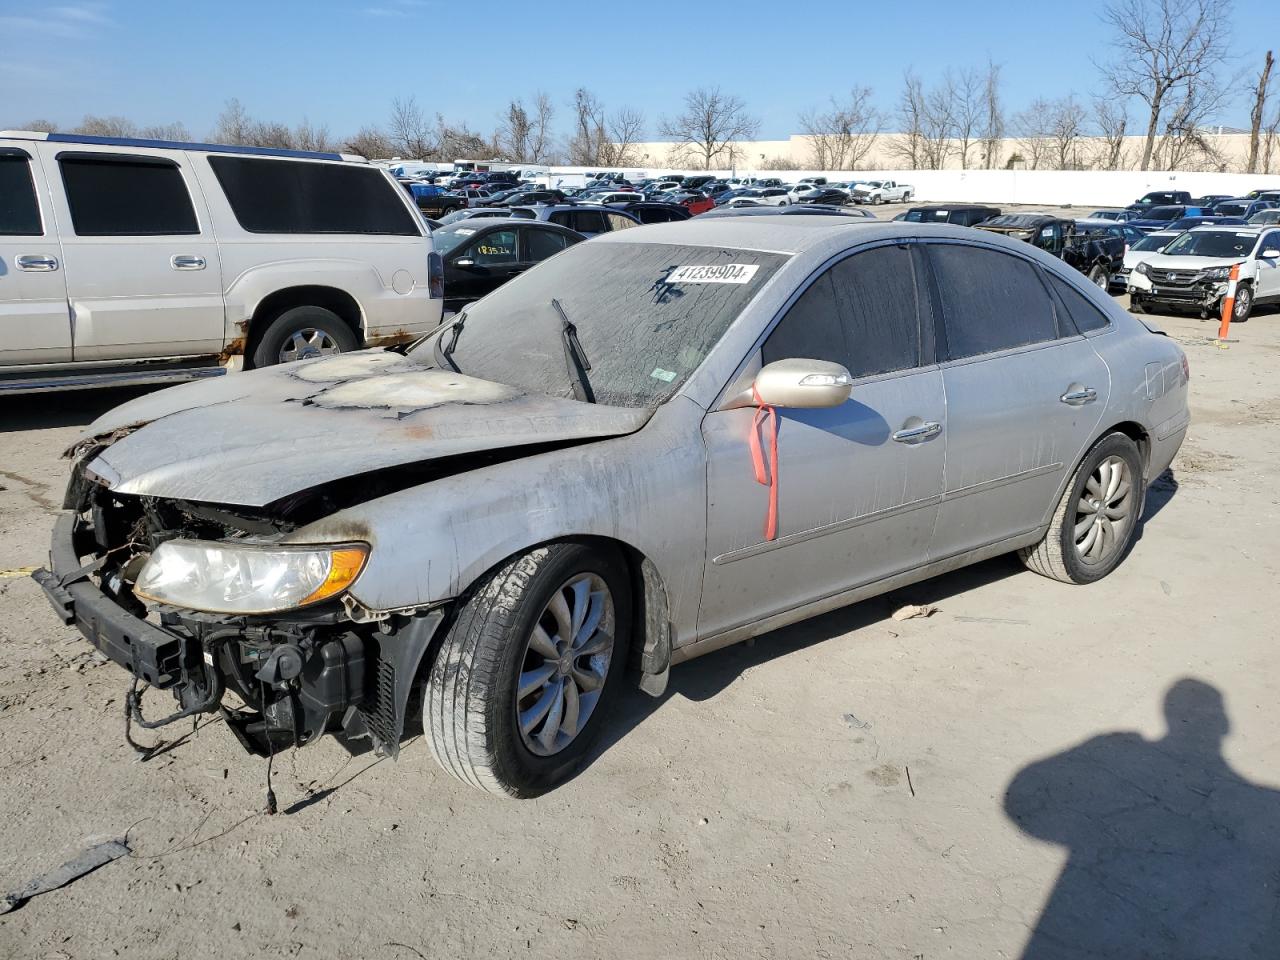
(1041, 187)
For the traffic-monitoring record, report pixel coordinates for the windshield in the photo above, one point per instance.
(1266, 216)
(1231, 209)
(1212, 243)
(1150, 242)
(1164, 213)
(448, 238)
(646, 316)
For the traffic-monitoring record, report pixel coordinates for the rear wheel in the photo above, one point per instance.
(302, 333)
(1098, 276)
(1096, 519)
(523, 681)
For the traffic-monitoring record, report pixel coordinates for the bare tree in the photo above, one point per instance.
(587, 139)
(312, 136)
(1112, 121)
(39, 126)
(906, 147)
(711, 121)
(514, 132)
(540, 135)
(1162, 44)
(459, 142)
(371, 143)
(1184, 142)
(166, 131)
(841, 137)
(993, 118)
(1066, 123)
(1034, 129)
(1259, 109)
(411, 133)
(937, 128)
(966, 92)
(107, 127)
(233, 124)
(624, 130)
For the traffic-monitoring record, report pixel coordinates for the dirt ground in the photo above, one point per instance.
(997, 780)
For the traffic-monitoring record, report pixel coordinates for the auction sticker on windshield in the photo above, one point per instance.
(720, 273)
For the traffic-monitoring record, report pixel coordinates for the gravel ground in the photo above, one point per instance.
(997, 778)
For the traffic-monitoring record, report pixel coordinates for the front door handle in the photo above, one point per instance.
(922, 432)
(1079, 396)
(180, 262)
(36, 263)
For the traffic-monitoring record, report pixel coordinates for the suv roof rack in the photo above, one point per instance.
(177, 145)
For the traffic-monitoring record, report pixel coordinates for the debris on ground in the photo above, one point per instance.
(89, 860)
(855, 723)
(913, 610)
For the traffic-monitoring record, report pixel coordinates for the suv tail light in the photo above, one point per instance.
(435, 276)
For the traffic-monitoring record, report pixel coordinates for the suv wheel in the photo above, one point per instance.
(1097, 517)
(522, 681)
(1243, 305)
(302, 333)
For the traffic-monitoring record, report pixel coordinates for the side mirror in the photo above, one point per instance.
(1270, 254)
(803, 383)
(465, 263)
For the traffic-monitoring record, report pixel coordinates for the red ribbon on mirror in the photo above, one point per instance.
(770, 478)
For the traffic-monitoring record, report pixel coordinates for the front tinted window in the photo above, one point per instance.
(496, 247)
(589, 221)
(19, 211)
(291, 196)
(990, 300)
(1084, 314)
(136, 197)
(642, 335)
(863, 313)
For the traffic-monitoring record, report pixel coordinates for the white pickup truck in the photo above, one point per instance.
(883, 191)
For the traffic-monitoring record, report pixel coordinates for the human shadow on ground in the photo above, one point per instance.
(1171, 854)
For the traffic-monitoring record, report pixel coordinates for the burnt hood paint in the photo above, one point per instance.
(249, 439)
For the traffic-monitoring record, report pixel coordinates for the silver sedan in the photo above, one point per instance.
(663, 441)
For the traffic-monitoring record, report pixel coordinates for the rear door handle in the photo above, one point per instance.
(180, 262)
(1078, 397)
(36, 263)
(923, 432)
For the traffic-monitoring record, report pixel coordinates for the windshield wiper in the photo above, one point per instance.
(574, 356)
(445, 354)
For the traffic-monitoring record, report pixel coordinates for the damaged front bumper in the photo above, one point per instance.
(299, 676)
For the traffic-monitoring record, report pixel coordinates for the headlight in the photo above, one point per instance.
(247, 578)
(1142, 268)
(1218, 273)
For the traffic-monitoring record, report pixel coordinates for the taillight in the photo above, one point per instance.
(435, 276)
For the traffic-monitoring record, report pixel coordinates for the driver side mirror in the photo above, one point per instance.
(801, 383)
(465, 263)
(1269, 254)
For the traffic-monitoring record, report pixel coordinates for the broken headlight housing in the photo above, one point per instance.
(245, 578)
(1218, 273)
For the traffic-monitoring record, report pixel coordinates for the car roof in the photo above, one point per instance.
(487, 222)
(1099, 222)
(176, 145)
(1229, 228)
(779, 233)
(954, 206)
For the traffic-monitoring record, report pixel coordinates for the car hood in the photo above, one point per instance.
(1191, 264)
(249, 439)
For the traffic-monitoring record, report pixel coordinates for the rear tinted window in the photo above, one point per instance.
(127, 197)
(990, 300)
(289, 196)
(1084, 314)
(19, 211)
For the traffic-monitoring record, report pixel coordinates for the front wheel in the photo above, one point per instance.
(1096, 518)
(1098, 276)
(524, 678)
(1244, 304)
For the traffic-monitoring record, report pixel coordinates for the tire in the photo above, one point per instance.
(318, 331)
(1243, 305)
(471, 711)
(876, 200)
(1060, 555)
(1098, 276)
(1138, 306)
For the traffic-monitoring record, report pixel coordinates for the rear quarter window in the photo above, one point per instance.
(298, 197)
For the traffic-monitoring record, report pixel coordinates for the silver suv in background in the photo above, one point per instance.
(144, 261)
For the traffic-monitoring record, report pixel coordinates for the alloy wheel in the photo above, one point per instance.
(308, 343)
(1104, 511)
(565, 665)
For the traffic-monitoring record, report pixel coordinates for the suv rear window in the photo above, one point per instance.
(125, 196)
(19, 211)
(290, 196)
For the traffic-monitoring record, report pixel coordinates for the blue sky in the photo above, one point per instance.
(341, 63)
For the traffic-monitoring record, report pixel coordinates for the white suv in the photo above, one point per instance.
(144, 261)
(1194, 270)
